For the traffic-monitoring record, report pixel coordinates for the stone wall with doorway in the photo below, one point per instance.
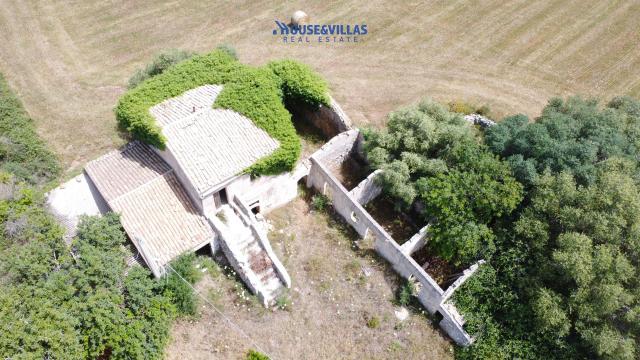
(268, 192)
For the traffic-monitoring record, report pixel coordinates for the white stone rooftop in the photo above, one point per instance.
(210, 145)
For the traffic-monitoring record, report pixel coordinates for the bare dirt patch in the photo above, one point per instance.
(341, 303)
(443, 272)
(399, 225)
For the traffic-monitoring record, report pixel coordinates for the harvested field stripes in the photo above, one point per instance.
(70, 61)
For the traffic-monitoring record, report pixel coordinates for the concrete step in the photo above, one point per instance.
(246, 250)
(266, 275)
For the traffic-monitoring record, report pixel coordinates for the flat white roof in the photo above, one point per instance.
(210, 145)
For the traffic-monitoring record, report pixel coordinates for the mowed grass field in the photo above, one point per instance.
(69, 61)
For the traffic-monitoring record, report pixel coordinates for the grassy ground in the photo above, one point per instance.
(70, 60)
(336, 311)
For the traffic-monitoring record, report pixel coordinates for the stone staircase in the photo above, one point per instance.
(244, 242)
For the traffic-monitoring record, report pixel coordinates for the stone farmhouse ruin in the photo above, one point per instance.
(195, 195)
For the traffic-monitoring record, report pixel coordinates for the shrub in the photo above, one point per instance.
(283, 302)
(407, 291)
(158, 65)
(461, 107)
(320, 202)
(179, 291)
(300, 84)
(256, 93)
(465, 108)
(230, 50)
(373, 322)
(255, 355)
(22, 152)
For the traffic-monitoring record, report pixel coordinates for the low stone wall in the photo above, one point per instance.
(338, 149)
(330, 120)
(417, 241)
(367, 189)
(466, 274)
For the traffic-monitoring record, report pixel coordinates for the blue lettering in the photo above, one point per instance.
(284, 29)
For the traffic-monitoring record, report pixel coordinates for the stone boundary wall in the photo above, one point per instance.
(416, 242)
(349, 205)
(330, 120)
(352, 212)
(338, 149)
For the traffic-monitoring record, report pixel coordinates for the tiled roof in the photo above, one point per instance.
(187, 104)
(118, 172)
(161, 215)
(155, 210)
(210, 145)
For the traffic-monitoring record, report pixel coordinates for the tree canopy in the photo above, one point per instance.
(433, 156)
(563, 282)
(571, 135)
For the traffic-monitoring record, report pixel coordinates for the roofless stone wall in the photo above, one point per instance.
(348, 206)
(330, 120)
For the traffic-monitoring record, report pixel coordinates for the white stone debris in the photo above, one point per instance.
(477, 119)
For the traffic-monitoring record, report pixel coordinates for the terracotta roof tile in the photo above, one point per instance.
(153, 205)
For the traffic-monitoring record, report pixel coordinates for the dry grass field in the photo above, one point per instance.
(337, 290)
(70, 60)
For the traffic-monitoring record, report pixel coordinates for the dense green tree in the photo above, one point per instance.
(572, 135)
(73, 303)
(570, 257)
(433, 156)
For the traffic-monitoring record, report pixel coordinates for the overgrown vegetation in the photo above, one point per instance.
(75, 303)
(300, 84)
(562, 248)
(564, 278)
(432, 157)
(69, 302)
(22, 152)
(158, 65)
(257, 93)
